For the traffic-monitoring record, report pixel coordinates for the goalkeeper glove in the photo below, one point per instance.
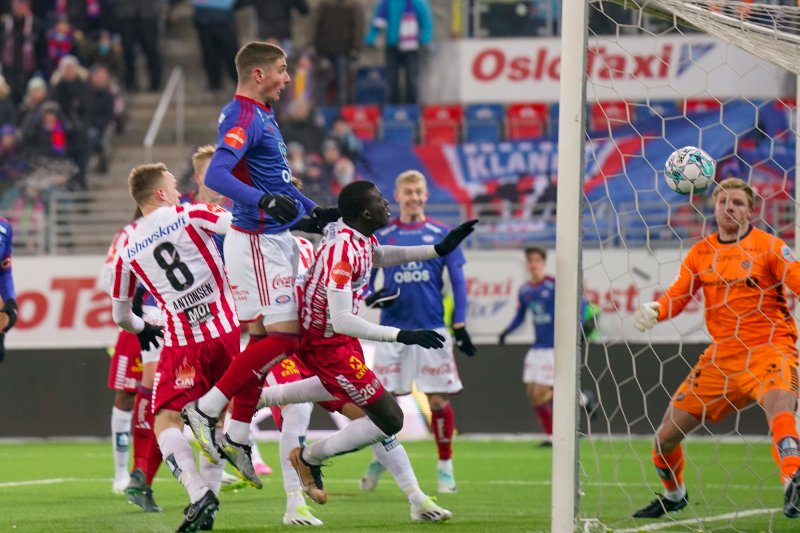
(454, 238)
(381, 299)
(646, 316)
(10, 308)
(148, 336)
(279, 206)
(463, 341)
(421, 337)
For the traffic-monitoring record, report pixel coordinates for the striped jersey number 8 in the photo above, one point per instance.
(169, 260)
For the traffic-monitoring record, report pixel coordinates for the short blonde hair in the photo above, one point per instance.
(411, 177)
(256, 54)
(735, 184)
(145, 179)
(201, 156)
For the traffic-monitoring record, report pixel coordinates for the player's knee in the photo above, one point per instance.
(393, 424)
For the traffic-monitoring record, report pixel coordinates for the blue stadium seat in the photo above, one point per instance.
(326, 115)
(400, 123)
(483, 122)
(658, 109)
(370, 86)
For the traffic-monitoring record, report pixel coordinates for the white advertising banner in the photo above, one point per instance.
(60, 306)
(623, 68)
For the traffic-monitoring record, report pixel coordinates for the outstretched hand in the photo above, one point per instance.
(454, 238)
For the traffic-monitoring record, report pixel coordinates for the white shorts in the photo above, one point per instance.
(262, 271)
(539, 366)
(398, 365)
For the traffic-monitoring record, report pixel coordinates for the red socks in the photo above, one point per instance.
(545, 414)
(442, 425)
(245, 377)
(146, 453)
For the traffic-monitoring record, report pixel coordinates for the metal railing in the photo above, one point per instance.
(85, 222)
(176, 87)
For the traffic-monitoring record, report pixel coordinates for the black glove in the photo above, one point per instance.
(382, 298)
(148, 336)
(421, 337)
(502, 340)
(138, 300)
(454, 238)
(10, 308)
(308, 225)
(279, 206)
(325, 215)
(463, 342)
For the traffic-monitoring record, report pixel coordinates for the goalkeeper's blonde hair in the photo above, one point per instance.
(735, 184)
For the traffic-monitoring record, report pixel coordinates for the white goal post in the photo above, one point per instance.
(766, 30)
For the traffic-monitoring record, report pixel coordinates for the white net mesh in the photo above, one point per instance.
(766, 30)
(655, 84)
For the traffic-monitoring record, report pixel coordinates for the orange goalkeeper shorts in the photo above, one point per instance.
(721, 383)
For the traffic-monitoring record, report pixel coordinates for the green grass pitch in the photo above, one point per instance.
(503, 486)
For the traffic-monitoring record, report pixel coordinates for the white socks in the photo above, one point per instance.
(213, 402)
(675, 495)
(305, 390)
(391, 454)
(211, 473)
(180, 459)
(120, 440)
(296, 418)
(238, 431)
(354, 436)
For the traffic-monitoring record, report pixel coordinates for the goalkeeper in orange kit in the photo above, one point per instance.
(742, 272)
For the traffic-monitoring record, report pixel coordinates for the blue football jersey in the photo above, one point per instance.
(6, 280)
(249, 130)
(540, 300)
(419, 305)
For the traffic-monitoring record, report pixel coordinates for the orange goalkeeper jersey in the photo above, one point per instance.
(743, 288)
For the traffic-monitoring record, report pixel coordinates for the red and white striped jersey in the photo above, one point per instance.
(306, 256)
(172, 252)
(343, 261)
(106, 279)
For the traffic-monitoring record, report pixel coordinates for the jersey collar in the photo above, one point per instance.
(746, 233)
(265, 107)
(416, 225)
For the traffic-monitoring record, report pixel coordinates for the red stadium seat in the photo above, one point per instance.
(525, 120)
(441, 124)
(700, 105)
(365, 120)
(610, 114)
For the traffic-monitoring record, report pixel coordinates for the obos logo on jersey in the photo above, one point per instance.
(341, 273)
(414, 271)
(236, 137)
(184, 376)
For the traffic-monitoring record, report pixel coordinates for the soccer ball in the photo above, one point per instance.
(689, 170)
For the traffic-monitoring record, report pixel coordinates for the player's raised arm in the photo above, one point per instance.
(672, 302)
(785, 266)
(388, 255)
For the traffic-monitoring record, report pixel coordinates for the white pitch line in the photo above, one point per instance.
(698, 521)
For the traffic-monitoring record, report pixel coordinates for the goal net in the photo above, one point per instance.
(663, 74)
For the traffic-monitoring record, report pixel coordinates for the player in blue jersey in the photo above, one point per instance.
(250, 167)
(411, 298)
(7, 291)
(538, 296)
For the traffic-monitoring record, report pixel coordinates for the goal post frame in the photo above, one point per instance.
(569, 205)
